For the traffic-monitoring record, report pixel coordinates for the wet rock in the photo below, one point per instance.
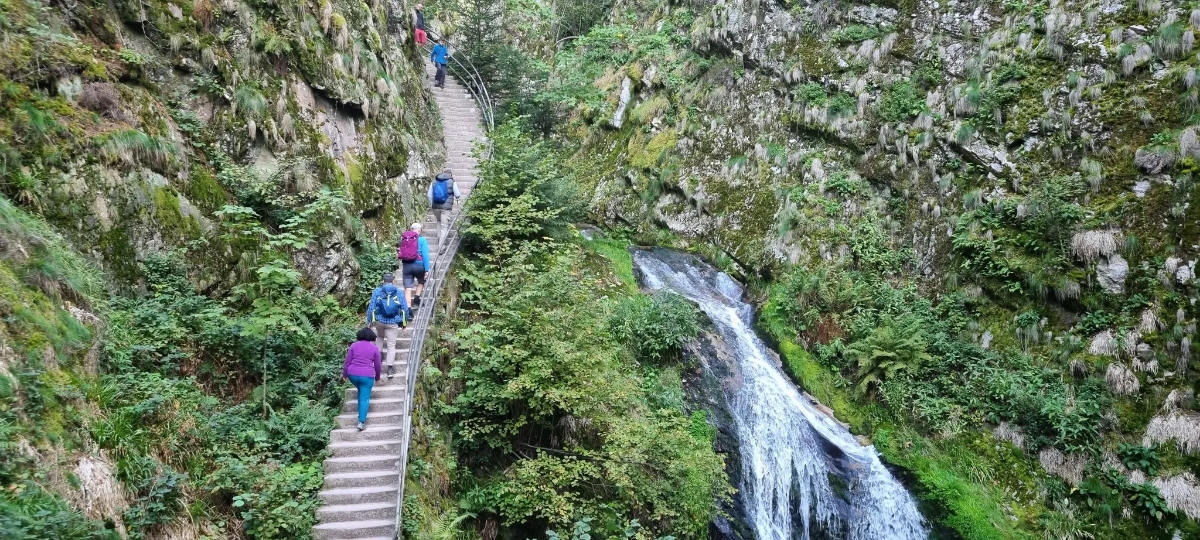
(618, 118)
(1154, 161)
(1111, 272)
(705, 393)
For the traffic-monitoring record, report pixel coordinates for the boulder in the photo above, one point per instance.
(329, 266)
(1111, 272)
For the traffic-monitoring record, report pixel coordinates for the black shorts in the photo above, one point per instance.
(413, 271)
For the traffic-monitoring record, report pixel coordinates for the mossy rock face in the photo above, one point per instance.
(964, 129)
(179, 87)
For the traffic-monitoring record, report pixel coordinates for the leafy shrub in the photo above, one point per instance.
(901, 102)
(854, 33)
(1136, 456)
(33, 514)
(812, 94)
(657, 325)
(522, 196)
(276, 502)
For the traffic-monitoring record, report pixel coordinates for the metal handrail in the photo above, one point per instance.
(433, 285)
(420, 326)
(476, 86)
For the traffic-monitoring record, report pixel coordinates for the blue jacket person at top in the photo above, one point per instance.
(438, 56)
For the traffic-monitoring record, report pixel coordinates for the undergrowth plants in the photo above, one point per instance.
(565, 403)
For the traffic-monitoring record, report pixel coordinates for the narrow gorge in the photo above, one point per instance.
(734, 269)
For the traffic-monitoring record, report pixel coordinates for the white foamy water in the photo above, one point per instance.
(804, 476)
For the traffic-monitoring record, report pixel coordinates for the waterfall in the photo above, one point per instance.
(803, 476)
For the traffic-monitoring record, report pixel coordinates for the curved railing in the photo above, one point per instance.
(460, 66)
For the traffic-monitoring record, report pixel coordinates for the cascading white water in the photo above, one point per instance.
(792, 455)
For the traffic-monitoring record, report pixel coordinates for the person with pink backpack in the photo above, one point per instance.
(415, 263)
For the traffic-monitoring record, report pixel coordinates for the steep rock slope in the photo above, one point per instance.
(191, 191)
(129, 124)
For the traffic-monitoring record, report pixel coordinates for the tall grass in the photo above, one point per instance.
(44, 257)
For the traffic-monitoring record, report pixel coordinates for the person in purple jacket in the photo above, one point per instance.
(362, 369)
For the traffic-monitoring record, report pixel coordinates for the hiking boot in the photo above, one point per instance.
(417, 301)
(391, 371)
(362, 426)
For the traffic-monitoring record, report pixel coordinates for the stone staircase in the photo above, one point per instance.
(364, 473)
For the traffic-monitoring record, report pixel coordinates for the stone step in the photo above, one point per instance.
(381, 390)
(356, 530)
(347, 464)
(374, 432)
(376, 404)
(357, 512)
(361, 479)
(359, 495)
(384, 387)
(380, 419)
(366, 448)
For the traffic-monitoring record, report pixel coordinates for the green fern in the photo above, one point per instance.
(445, 527)
(894, 347)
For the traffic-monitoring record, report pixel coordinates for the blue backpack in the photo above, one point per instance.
(441, 191)
(390, 305)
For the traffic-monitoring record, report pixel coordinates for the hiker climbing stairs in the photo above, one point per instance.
(364, 475)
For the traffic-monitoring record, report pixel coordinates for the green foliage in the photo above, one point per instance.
(874, 250)
(584, 530)
(842, 104)
(283, 503)
(33, 514)
(895, 348)
(1136, 456)
(812, 94)
(843, 183)
(522, 197)
(555, 421)
(854, 33)
(133, 146)
(901, 102)
(656, 325)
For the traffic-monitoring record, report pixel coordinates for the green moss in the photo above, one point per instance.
(120, 259)
(205, 191)
(649, 109)
(617, 251)
(169, 215)
(648, 156)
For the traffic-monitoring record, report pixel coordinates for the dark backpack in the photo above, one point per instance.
(409, 247)
(390, 305)
(441, 191)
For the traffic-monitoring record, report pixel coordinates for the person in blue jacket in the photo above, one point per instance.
(415, 272)
(387, 313)
(438, 56)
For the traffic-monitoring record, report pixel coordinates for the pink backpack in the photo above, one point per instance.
(409, 248)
